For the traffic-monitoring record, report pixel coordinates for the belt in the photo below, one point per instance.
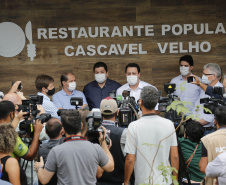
(208, 128)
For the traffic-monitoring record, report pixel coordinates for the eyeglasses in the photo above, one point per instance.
(207, 74)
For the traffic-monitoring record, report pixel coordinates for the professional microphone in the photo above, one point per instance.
(119, 97)
(119, 100)
(125, 93)
(113, 94)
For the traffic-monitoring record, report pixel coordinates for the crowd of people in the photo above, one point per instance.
(61, 151)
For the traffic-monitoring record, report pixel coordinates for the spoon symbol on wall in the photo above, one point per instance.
(31, 49)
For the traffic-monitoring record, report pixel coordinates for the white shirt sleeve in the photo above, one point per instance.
(131, 140)
(214, 168)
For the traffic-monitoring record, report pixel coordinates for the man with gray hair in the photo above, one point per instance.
(150, 142)
(210, 76)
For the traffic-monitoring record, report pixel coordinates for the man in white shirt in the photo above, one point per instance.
(145, 151)
(134, 84)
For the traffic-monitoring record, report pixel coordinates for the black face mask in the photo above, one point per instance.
(19, 108)
(51, 92)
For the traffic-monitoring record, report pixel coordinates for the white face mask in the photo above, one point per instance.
(100, 78)
(132, 80)
(205, 80)
(184, 70)
(72, 86)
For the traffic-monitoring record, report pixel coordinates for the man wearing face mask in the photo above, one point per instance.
(190, 92)
(62, 98)
(211, 76)
(134, 84)
(100, 88)
(209, 89)
(45, 88)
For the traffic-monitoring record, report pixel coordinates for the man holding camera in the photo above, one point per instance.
(76, 160)
(7, 114)
(100, 88)
(62, 98)
(45, 88)
(150, 142)
(214, 143)
(185, 90)
(109, 112)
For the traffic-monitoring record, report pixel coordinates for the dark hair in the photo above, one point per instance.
(53, 128)
(220, 115)
(194, 131)
(6, 107)
(8, 138)
(109, 116)
(84, 113)
(149, 97)
(100, 64)
(133, 65)
(64, 77)
(71, 121)
(188, 59)
(43, 81)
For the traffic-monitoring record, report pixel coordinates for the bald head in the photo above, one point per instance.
(13, 97)
(54, 128)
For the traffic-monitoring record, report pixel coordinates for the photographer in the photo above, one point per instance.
(75, 160)
(7, 111)
(109, 112)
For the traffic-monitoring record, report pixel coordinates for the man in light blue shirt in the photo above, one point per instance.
(62, 98)
(211, 76)
(184, 90)
(45, 88)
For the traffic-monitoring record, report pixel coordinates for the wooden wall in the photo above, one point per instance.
(156, 68)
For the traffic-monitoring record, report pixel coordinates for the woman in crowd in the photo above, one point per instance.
(11, 171)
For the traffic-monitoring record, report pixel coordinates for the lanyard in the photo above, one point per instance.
(74, 138)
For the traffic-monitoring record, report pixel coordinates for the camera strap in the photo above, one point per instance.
(151, 114)
(74, 138)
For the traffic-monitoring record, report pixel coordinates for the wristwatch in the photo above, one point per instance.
(38, 169)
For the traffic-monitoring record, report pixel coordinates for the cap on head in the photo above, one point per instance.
(108, 106)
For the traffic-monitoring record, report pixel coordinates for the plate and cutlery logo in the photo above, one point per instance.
(12, 40)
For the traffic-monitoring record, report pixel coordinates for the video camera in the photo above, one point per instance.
(76, 101)
(172, 115)
(166, 101)
(128, 108)
(213, 103)
(30, 106)
(93, 120)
